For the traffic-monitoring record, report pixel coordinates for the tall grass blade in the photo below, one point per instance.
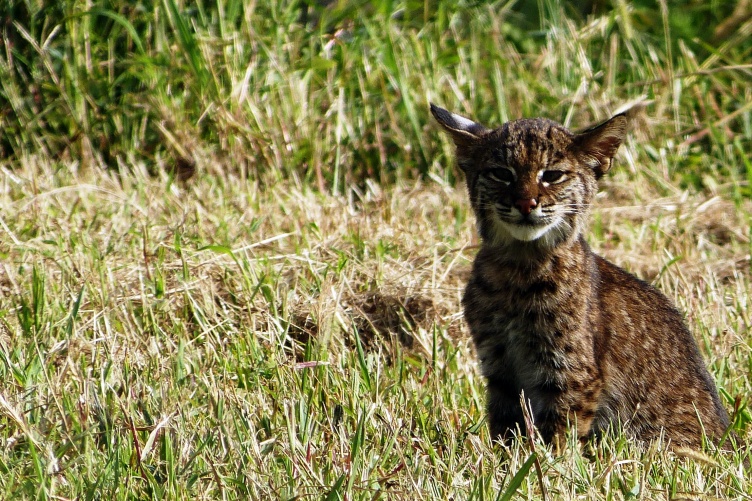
(119, 19)
(517, 479)
(191, 50)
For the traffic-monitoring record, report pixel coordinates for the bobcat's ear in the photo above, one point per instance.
(464, 131)
(597, 146)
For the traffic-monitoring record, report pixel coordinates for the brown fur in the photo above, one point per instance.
(587, 342)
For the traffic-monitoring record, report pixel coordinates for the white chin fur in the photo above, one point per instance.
(527, 233)
(506, 231)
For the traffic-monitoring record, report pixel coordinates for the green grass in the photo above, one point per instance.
(234, 245)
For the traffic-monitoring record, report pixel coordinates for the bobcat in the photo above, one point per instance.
(585, 341)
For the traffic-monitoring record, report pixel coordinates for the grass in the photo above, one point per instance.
(233, 252)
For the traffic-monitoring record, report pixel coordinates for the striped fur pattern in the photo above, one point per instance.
(589, 344)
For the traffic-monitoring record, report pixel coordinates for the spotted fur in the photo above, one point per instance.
(588, 343)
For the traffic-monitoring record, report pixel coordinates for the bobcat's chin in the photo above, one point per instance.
(547, 234)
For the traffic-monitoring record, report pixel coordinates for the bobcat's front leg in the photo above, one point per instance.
(574, 406)
(504, 412)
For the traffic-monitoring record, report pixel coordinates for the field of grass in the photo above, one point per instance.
(233, 244)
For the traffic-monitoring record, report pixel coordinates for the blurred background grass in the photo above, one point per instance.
(336, 92)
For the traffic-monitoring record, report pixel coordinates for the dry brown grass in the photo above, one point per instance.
(229, 290)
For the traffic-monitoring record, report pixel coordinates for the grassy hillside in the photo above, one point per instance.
(234, 245)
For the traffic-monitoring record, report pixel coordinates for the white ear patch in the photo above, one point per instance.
(463, 123)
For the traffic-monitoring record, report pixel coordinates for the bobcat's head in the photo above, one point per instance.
(531, 180)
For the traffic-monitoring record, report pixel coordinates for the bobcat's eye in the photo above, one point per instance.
(502, 175)
(552, 176)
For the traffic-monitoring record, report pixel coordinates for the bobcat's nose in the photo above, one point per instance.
(526, 205)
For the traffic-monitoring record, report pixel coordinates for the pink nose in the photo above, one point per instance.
(526, 205)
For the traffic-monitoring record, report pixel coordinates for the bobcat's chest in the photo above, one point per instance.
(521, 346)
(529, 319)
